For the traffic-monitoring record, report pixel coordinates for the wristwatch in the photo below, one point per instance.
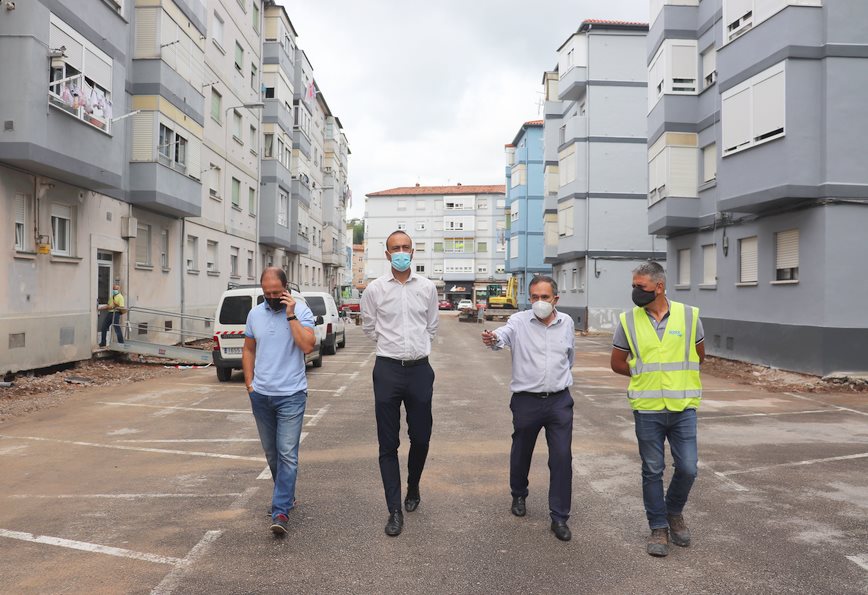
(291, 318)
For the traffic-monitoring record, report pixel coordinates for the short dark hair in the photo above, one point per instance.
(543, 279)
(653, 270)
(276, 271)
(397, 232)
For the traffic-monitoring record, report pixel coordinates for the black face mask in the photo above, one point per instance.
(642, 298)
(275, 304)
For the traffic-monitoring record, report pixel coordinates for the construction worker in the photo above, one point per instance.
(115, 307)
(660, 345)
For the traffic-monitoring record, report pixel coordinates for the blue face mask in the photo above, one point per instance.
(401, 261)
(115, 292)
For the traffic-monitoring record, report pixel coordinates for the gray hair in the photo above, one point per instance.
(651, 269)
(543, 279)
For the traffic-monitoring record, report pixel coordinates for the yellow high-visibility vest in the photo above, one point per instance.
(664, 374)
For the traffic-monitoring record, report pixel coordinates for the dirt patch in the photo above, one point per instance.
(775, 380)
(32, 392)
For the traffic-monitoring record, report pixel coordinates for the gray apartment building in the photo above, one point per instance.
(756, 154)
(595, 170)
(132, 150)
(459, 234)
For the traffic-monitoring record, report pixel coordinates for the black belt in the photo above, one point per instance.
(405, 363)
(542, 395)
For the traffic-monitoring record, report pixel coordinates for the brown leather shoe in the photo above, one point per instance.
(678, 530)
(658, 543)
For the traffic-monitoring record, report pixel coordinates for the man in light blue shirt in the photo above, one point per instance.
(279, 332)
(542, 342)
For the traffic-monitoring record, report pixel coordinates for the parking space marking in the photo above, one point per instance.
(173, 407)
(804, 398)
(90, 547)
(707, 417)
(191, 440)
(315, 418)
(860, 560)
(118, 496)
(191, 453)
(243, 498)
(796, 464)
(171, 580)
(722, 477)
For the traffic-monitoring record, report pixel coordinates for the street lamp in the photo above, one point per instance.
(254, 105)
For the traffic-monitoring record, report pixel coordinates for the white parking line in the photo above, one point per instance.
(797, 464)
(722, 477)
(860, 560)
(176, 408)
(119, 496)
(804, 398)
(315, 419)
(190, 440)
(89, 547)
(707, 417)
(191, 453)
(171, 580)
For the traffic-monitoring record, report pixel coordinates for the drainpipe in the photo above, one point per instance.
(183, 244)
(588, 195)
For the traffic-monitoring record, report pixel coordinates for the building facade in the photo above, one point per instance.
(756, 137)
(525, 255)
(458, 232)
(595, 171)
(141, 159)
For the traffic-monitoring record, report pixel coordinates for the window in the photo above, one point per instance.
(567, 163)
(61, 230)
(180, 152)
(239, 57)
(253, 136)
(216, 181)
(172, 148)
(164, 249)
(420, 247)
(255, 16)
(754, 111)
(562, 284)
(513, 211)
(21, 201)
(452, 245)
(482, 246)
(709, 162)
(438, 246)
(236, 125)
(565, 220)
(519, 175)
(192, 254)
(421, 226)
(709, 67)
(482, 269)
(165, 146)
(268, 149)
(402, 205)
(747, 260)
(787, 255)
(684, 267)
(709, 264)
(217, 30)
(575, 279)
(673, 166)
(513, 247)
(402, 226)
(251, 201)
(420, 268)
(253, 77)
(80, 80)
(500, 269)
(283, 209)
(216, 106)
(211, 257)
(233, 261)
(438, 268)
(673, 71)
(737, 17)
(250, 264)
(482, 205)
(236, 193)
(143, 244)
(500, 203)
(420, 205)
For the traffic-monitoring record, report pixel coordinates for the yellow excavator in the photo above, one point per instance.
(502, 304)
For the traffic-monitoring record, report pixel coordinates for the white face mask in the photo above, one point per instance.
(541, 309)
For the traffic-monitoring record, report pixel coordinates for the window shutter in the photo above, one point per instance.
(98, 68)
(787, 249)
(709, 162)
(59, 36)
(683, 74)
(683, 175)
(147, 40)
(735, 9)
(709, 264)
(709, 63)
(747, 260)
(21, 209)
(684, 267)
(769, 106)
(735, 118)
(143, 244)
(144, 134)
(194, 158)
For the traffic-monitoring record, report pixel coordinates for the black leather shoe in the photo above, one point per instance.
(518, 506)
(411, 501)
(395, 524)
(561, 530)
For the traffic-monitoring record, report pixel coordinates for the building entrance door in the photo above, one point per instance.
(105, 267)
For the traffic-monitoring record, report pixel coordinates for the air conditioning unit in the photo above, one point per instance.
(129, 227)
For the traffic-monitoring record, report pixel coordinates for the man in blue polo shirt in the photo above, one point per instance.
(279, 333)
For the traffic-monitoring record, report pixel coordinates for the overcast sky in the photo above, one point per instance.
(430, 91)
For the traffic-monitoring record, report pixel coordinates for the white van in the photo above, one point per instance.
(323, 304)
(230, 320)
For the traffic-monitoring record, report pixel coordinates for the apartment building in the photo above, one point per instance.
(359, 281)
(756, 138)
(459, 235)
(138, 161)
(524, 200)
(595, 170)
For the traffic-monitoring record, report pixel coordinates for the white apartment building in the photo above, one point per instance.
(458, 232)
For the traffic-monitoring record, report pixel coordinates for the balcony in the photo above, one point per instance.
(273, 53)
(163, 189)
(301, 141)
(276, 112)
(301, 191)
(575, 130)
(673, 214)
(573, 83)
(156, 77)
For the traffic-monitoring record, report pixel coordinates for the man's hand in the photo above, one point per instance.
(287, 300)
(489, 338)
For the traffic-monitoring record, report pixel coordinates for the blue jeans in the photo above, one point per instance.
(279, 421)
(651, 430)
(111, 320)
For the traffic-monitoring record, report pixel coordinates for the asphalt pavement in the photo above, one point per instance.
(161, 487)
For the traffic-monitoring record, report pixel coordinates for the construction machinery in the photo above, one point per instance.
(502, 303)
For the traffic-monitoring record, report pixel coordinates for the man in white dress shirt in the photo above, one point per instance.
(399, 312)
(542, 343)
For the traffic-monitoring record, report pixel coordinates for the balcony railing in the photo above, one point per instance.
(87, 103)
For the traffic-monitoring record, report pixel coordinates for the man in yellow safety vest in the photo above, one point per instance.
(660, 345)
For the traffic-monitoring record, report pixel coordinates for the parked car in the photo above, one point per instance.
(465, 303)
(323, 304)
(230, 320)
(444, 305)
(351, 305)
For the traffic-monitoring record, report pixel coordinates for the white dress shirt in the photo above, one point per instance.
(401, 317)
(542, 356)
